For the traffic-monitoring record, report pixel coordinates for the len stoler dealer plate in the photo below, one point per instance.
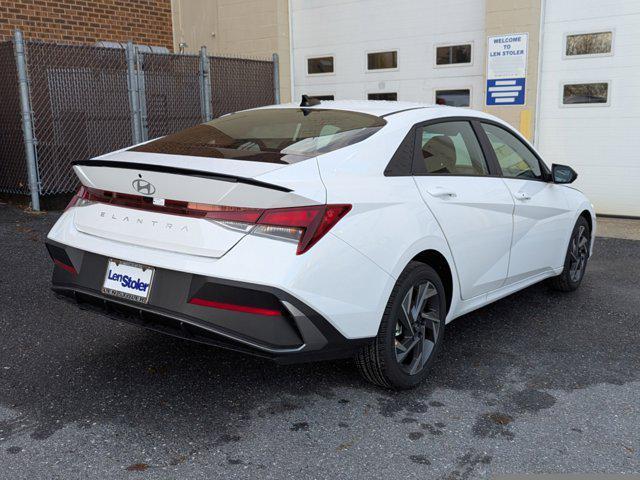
(131, 281)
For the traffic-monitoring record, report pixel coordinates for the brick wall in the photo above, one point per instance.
(145, 22)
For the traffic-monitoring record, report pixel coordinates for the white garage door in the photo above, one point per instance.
(590, 102)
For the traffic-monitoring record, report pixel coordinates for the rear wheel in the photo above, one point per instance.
(575, 262)
(410, 333)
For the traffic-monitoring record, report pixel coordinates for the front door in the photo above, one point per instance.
(541, 216)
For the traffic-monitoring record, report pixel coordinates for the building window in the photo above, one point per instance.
(585, 93)
(453, 98)
(383, 96)
(322, 97)
(598, 43)
(453, 54)
(382, 60)
(319, 65)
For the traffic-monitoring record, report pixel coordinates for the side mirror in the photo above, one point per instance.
(563, 174)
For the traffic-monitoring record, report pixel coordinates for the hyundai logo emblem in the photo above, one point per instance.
(143, 187)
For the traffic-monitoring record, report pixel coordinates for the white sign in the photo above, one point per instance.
(507, 69)
(507, 56)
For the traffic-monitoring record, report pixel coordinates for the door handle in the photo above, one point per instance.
(522, 196)
(442, 192)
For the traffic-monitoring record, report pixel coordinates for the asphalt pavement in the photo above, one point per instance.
(539, 382)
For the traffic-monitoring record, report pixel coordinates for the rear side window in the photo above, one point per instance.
(273, 135)
(449, 148)
(515, 159)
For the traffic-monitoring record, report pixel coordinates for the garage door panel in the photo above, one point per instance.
(601, 142)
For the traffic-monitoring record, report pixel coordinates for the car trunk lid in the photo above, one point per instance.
(160, 201)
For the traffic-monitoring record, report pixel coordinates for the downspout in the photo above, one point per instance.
(291, 62)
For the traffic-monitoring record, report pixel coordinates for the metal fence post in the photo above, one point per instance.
(205, 85)
(276, 78)
(142, 97)
(27, 121)
(132, 82)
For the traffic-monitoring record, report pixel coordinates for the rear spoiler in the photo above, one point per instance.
(178, 171)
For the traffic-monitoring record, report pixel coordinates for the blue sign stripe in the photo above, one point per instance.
(506, 91)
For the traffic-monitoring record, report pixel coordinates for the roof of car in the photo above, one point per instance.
(373, 107)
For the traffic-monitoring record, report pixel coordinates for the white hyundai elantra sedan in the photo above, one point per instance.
(321, 230)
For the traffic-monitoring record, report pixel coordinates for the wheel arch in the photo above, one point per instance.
(586, 214)
(439, 263)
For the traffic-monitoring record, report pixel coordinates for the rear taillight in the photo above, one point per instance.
(74, 200)
(304, 225)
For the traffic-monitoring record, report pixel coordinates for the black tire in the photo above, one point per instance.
(386, 362)
(575, 262)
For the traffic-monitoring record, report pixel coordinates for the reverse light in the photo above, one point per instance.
(304, 225)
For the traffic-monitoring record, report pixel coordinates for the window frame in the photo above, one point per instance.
(377, 93)
(588, 55)
(584, 105)
(381, 70)
(418, 158)
(324, 74)
(316, 95)
(439, 89)
(398, 166)
(453, 44)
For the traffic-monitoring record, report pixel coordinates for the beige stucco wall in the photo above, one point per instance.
(517, 16)
(254, 28)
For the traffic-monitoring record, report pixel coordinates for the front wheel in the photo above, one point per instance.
(575, 263)
(410, 333)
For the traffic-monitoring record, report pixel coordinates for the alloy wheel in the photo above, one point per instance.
(417, 327)
(578, 253)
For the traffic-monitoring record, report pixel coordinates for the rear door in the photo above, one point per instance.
(542, 218)
(473, 207)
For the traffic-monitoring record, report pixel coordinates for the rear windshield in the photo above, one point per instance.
(278, 135)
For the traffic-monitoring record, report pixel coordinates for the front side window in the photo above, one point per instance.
(272, 135)
(598, 43)
(382, 60)
(383, 96)
(453, 54)
(319, 65)
(514, 158)
(585, 93)
(453, 98)
(449, 148)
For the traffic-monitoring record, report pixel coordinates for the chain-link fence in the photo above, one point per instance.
(171, 86)
(87, 101)
(80, 107)
(13, 167)
(253, 88)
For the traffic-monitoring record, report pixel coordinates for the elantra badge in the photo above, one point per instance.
(143, 187)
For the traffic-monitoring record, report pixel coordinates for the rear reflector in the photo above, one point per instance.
(64, 266)
(235, 308)
(304, 225)
(61, 259)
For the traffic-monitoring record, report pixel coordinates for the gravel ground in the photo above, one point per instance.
(540, 382)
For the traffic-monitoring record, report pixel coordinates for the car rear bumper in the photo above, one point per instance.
(297, 334)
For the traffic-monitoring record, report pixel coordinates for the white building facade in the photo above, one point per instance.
(580, 60)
